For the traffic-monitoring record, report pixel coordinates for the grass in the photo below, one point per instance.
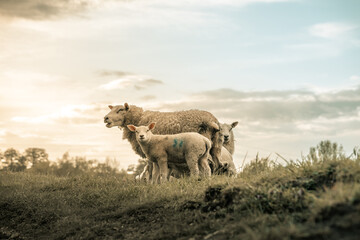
(303, 200)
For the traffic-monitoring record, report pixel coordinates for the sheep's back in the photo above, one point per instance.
(177, 122)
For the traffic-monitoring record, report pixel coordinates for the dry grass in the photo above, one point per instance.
(303, 200)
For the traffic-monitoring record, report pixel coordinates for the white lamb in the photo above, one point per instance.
(227, 136)
(227, 141)
(190, 148)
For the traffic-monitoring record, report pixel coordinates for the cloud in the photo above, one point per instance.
(128, 80)
(71, 114)
(330, 30)
(148, 98)
(40, 10)
(114, 73)
(12, 139)
(206, 3)
(50, 9)
(355, 78)
(278, 111)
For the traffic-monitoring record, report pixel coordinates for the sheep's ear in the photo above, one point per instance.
(234, 124)
(131, 128)
(110, 106)
(126, 106)
(151, 126)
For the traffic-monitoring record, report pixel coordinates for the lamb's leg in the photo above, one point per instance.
(164, 169)
(155, 173)
(145, 173)
(192, 162)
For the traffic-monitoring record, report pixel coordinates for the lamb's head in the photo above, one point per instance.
(116, 116)
(143, 133)
(225, 130)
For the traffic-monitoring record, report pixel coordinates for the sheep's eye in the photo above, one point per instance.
(147, 130)
(136, 131)
(120, 110)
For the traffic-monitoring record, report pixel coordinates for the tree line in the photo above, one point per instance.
(37, 160)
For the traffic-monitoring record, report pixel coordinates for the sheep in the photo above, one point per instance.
(227, 136)
(227, 160)
(199, 121)
(229, 168)
(189, 147)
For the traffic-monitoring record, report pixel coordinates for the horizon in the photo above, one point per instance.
(286, 70)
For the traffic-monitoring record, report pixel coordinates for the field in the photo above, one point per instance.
(316, 198)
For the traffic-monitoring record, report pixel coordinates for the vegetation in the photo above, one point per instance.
(317, 197)
(35, 160)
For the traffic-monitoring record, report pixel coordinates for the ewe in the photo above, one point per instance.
(199, 121)
(190, 148)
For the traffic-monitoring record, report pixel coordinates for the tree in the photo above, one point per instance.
(11, 155)
(15, 160)
(36, 155)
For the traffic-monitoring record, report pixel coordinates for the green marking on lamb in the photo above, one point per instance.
(176, 143)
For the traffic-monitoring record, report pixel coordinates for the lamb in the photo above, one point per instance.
(189, 147)
(227, 150)
(199, 121)
(228, 136)
(145, 174)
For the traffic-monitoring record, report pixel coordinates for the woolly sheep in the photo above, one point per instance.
(227, 136)
(189, 147)
(227, 160)
(199, 121)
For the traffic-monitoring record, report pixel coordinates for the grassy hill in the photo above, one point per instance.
(316, 198)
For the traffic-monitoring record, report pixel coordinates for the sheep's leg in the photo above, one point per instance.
(192, 162)
(164, 169)
(155, 173)
(204, 166)
(215, 151)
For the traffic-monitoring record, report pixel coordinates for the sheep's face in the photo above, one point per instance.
(143, 133)
(116, 116)
(225, 130)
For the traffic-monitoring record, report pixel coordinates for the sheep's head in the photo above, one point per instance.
(143, 133)
(225, 131)
(116, 116)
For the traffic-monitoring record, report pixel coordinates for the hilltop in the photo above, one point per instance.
(315, 198)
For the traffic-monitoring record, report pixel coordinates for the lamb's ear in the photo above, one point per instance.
(151, 126)
(110, 106)
(131, 128)
(126, 106)
(234, 124)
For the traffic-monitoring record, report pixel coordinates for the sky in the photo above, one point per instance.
(287, 70)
